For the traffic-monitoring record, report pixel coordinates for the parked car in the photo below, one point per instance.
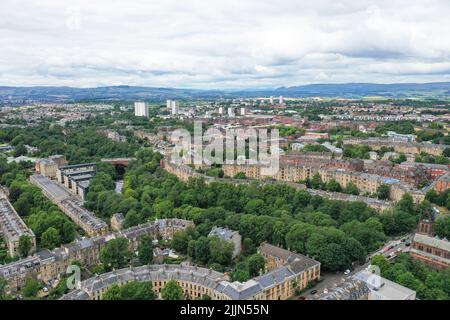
(347, 271)
(313, 291)
(301, 298)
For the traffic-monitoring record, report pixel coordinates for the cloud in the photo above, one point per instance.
(222, 44)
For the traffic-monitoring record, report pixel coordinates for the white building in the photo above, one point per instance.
(140, 109)
(231, 112)
(243, 111)
(281, 100)
(384, 289)
(271, 100)
(174, 107)
(221, 110)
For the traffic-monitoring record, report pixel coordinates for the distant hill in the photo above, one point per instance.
(20, 95)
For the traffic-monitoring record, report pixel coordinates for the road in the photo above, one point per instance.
(331, 279)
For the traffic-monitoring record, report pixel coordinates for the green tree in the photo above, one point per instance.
(145, 250)
(333, 186)
(316, 181)
(172, 291)
(25, 245)
(50, 238)
(442, 227)
(113, 293)
(32, 287)
(351, 189)
(255, 264)
(240, 175)
(3, 285)
(383, 192)
(115, 253)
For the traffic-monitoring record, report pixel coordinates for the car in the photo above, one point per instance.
(313, 292)
(301, 298)
(347, 271)
(408, 244)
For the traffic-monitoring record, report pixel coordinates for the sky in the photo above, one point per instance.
(225, 44)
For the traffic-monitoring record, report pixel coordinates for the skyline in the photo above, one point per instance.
(236, 45)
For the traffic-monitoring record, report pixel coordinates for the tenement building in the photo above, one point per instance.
(279, 283)
(70, 205)
(48, 265)
(12, 227)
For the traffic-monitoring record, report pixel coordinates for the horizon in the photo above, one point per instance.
(233, 89)
(223, 46)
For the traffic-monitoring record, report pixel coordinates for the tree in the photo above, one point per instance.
(3, 285)
(132, 218)
(172, 291)
(20, 150)
(50, 238)
(352, 189)
(446, 152)
(115, 254)
(240, 175)
(68, 232)
(383, 192)
(442, 227)
(32, 287)
(25, 245)
(255, 265)
(145, 250)
(333, 186)
(221, 251)
(133, 290)
(316, 181)
(113, 293)
(406, 203)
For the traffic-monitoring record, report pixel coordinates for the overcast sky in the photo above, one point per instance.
(223, 44)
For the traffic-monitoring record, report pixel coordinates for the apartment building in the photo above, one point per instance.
(76, 178)
(70, 205)
(12, 227)
(400, 147)
(279, 283)
(47, 265)
(48, 166)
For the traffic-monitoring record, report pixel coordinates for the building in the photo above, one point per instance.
(71, 206)
(117, 221)
(243, 111)
(443, 183)
(228, 235)
(384, 289)
(141, 109)
(77, 178)
(12, 227)
(401, 137)
(174, 107)
(48, 167)
(277, 284)
(281, 101)
(313, 136)
(48, 265)
(231, 112)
